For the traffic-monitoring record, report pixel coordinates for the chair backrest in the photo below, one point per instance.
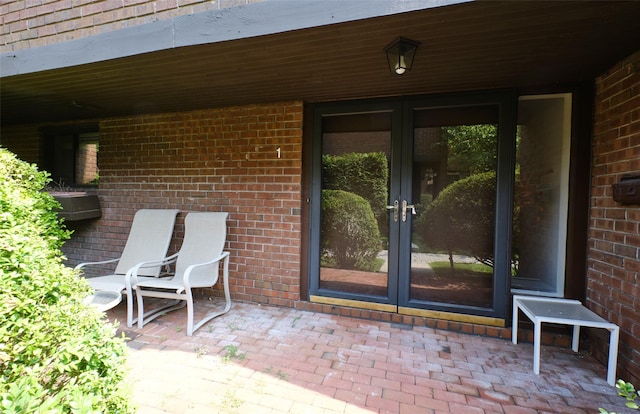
(149, 240)
(205, 234)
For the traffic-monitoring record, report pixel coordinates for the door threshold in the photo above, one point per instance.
(423, 313)
(450, 316)
(384, 307)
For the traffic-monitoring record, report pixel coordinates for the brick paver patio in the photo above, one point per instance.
(263, 359)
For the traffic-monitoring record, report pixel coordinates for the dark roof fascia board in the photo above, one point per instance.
(257, 19)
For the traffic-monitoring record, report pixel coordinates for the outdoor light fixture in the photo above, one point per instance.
(400, 54)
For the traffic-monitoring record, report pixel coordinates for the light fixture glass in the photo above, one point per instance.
(400, 54)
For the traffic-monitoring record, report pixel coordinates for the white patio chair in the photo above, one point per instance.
(197, 265)
(148, 240)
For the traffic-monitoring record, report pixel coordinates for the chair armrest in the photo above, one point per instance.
(187, 272)
(132, 274)
(81, 265)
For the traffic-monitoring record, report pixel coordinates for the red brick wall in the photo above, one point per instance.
(211, 160)
(613, 286)
(31, 23)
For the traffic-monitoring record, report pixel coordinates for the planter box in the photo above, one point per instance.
(78, 206)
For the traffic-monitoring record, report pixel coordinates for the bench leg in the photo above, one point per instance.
(613, 355)
(536, 347)
(514, 326)
(575, 345)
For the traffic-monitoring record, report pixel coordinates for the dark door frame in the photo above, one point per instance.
(506, 101)
(578, 186)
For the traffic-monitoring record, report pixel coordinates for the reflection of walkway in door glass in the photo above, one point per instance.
(466, 286)
(432, 280)
(354, 281)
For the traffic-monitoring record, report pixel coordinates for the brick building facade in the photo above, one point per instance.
(216, 160)
(249, 157)
(613, 281)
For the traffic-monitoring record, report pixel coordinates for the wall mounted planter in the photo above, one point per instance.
(77, 205)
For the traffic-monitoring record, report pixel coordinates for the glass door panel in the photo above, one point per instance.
(354, 225)
(454, 193)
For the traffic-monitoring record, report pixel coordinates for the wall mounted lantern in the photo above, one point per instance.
(400, 54)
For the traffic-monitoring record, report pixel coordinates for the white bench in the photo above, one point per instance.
(566, 312)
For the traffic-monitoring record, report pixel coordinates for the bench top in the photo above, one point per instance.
(564, 311)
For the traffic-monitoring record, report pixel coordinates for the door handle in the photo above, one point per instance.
(394, 207)
(405, 206)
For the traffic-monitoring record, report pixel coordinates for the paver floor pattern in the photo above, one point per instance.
(263, 359)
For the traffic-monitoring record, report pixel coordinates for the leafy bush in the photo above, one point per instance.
(364, 174)
(629, 393)
(350, 235)
(471, 147)
(57, 355)
(461, 219)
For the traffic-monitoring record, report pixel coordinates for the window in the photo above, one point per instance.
(87, 159)
(70, 155)
(541, 194)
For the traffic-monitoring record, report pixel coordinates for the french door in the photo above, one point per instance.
(411, 205)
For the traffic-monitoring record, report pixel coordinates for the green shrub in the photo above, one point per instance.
(57, 355)
(364, 174)
(350, 235)
(627, 391)
(461, 219)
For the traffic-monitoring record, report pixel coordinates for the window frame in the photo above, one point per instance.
(63, 174)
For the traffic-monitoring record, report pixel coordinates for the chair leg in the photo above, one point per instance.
(140, 308)
(210, 316)
(130, 298)
(189, 312)
(129, 312)
(177, 302)
(182, 297)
